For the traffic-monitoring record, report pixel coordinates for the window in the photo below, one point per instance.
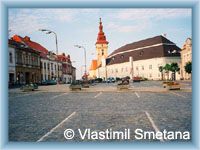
(137, 68)
(26, 61)
(126, 69)
(141, 53)
(102, 52)
(142, 67)
(44, 65)
(122, 56)
(10, 57)
(150, 66)
(51, 66)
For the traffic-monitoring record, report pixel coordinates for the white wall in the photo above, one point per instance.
(46, 72)
(150, 71)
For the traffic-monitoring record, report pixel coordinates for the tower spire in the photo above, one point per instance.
(101, 38)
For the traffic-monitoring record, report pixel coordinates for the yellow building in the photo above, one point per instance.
(101, 52)
(186, 56)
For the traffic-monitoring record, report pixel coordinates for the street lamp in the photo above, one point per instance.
(84, 54)
(49, 32)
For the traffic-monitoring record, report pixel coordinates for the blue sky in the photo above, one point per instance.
(80, 26)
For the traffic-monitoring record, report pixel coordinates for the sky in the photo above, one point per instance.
(80, 27)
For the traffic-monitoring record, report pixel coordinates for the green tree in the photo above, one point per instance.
(174, 68)
(167, 69)
(161, 71)
(188, 67)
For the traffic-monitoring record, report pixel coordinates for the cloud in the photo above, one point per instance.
(135, 20)
(146, 14)
(25, 21)
(30, 20)
(22, 23)
(119, 27)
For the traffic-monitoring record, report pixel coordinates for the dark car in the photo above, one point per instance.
(51, 82)
(110, 80)
(44, 82)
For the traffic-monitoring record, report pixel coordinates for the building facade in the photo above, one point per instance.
(73, 73)
(138, 59)
(27, 64)
(67, 68)
(51, 67)
(186, 56)
(11, 65)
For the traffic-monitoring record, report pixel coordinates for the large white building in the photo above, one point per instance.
(138, 59)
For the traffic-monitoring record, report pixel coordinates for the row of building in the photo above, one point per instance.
(30, 62)
(139, 59)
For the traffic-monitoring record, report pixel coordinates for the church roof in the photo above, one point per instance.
(101, 38)
(158, 46)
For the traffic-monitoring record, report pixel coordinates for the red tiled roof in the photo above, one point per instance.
(93, 65)
(26, 40)
(64, 58)
(101, 39)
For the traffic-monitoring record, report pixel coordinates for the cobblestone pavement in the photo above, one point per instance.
(44, 116)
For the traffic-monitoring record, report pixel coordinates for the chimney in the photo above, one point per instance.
(164, 35)
(26, 38)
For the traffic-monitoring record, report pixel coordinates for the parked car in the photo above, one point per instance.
(29, 87)
(110, 80)
(98, 80)
(137, 79)
(44, 82)
(51, 82)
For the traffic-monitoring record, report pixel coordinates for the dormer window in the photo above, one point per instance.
(141, 53)
(174, 51)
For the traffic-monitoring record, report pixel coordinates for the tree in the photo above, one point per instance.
(188, 67)
(167, 68)
(174, 68)
(161, 70)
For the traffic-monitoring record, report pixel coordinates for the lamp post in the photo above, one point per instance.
(84, 55)
(49, 32)
(82, 69)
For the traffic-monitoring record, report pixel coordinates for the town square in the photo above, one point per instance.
(110, 76)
